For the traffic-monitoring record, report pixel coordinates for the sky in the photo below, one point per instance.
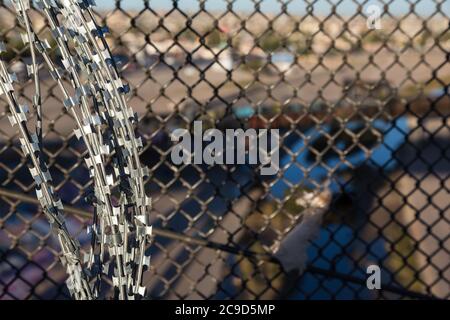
(296, 7)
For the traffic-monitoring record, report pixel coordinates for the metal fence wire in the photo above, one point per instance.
(360, 93)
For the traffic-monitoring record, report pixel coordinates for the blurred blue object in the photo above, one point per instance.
(283, 57)
(333, 255)
(244, 112)
(302, 171)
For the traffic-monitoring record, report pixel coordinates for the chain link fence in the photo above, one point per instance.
(360, 93)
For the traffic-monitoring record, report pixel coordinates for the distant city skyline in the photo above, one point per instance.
(296, 7)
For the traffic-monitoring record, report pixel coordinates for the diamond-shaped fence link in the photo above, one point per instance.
(362, 105)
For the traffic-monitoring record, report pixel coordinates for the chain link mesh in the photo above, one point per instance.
(364, 109)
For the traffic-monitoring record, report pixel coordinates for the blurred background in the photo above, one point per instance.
(361, 98)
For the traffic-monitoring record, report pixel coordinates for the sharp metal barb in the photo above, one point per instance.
(109, 113)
